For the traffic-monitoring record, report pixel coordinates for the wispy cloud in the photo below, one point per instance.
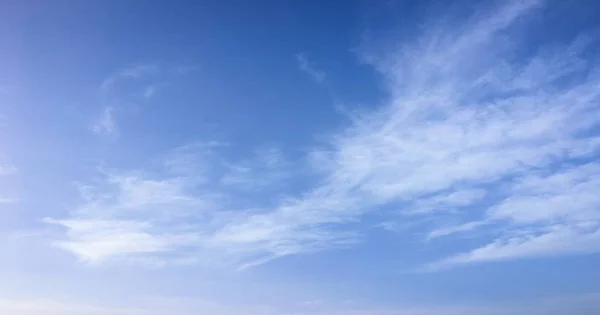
(473, 130)
(125, 88)
(267, 167)
(150, 90)
(106, 124)
(130, 216)
(544, 215)
(129, 73)
(305, 65)
(465, 114)
(465, 120)
(449, 230)
(397, 153)
(170, 215)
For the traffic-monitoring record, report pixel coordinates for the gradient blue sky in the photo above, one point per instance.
(299, 157)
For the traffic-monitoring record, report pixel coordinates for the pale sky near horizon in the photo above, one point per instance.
(357, 157)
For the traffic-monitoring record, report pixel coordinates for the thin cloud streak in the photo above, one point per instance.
(106, 124)
(130, 73)
(123, 88)
(306, 66)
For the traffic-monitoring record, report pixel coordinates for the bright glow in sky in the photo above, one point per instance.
(299, 157)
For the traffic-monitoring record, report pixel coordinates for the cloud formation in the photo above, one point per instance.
(130, 73)
(105, 124)
(474, 131)
(306, 66)
(465, 125)
(172, 214)
(122, 89)
(131, 216)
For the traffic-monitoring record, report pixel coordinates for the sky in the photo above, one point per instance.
(356, 157)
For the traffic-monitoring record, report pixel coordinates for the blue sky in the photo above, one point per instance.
(299, 157)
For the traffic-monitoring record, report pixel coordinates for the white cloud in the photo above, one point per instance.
(469, 131)
(150, 91)
(195, 158)
(445, 231)
(95, 240)
(452, 124)
(463, 121)
(267, 168)
(105, 124)
(548, 215)
(124, 89)
(558, 240)
(569, 195)
(306, 66)
(129, 73)
(446, 202)
(170, 215)
(134, 216)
